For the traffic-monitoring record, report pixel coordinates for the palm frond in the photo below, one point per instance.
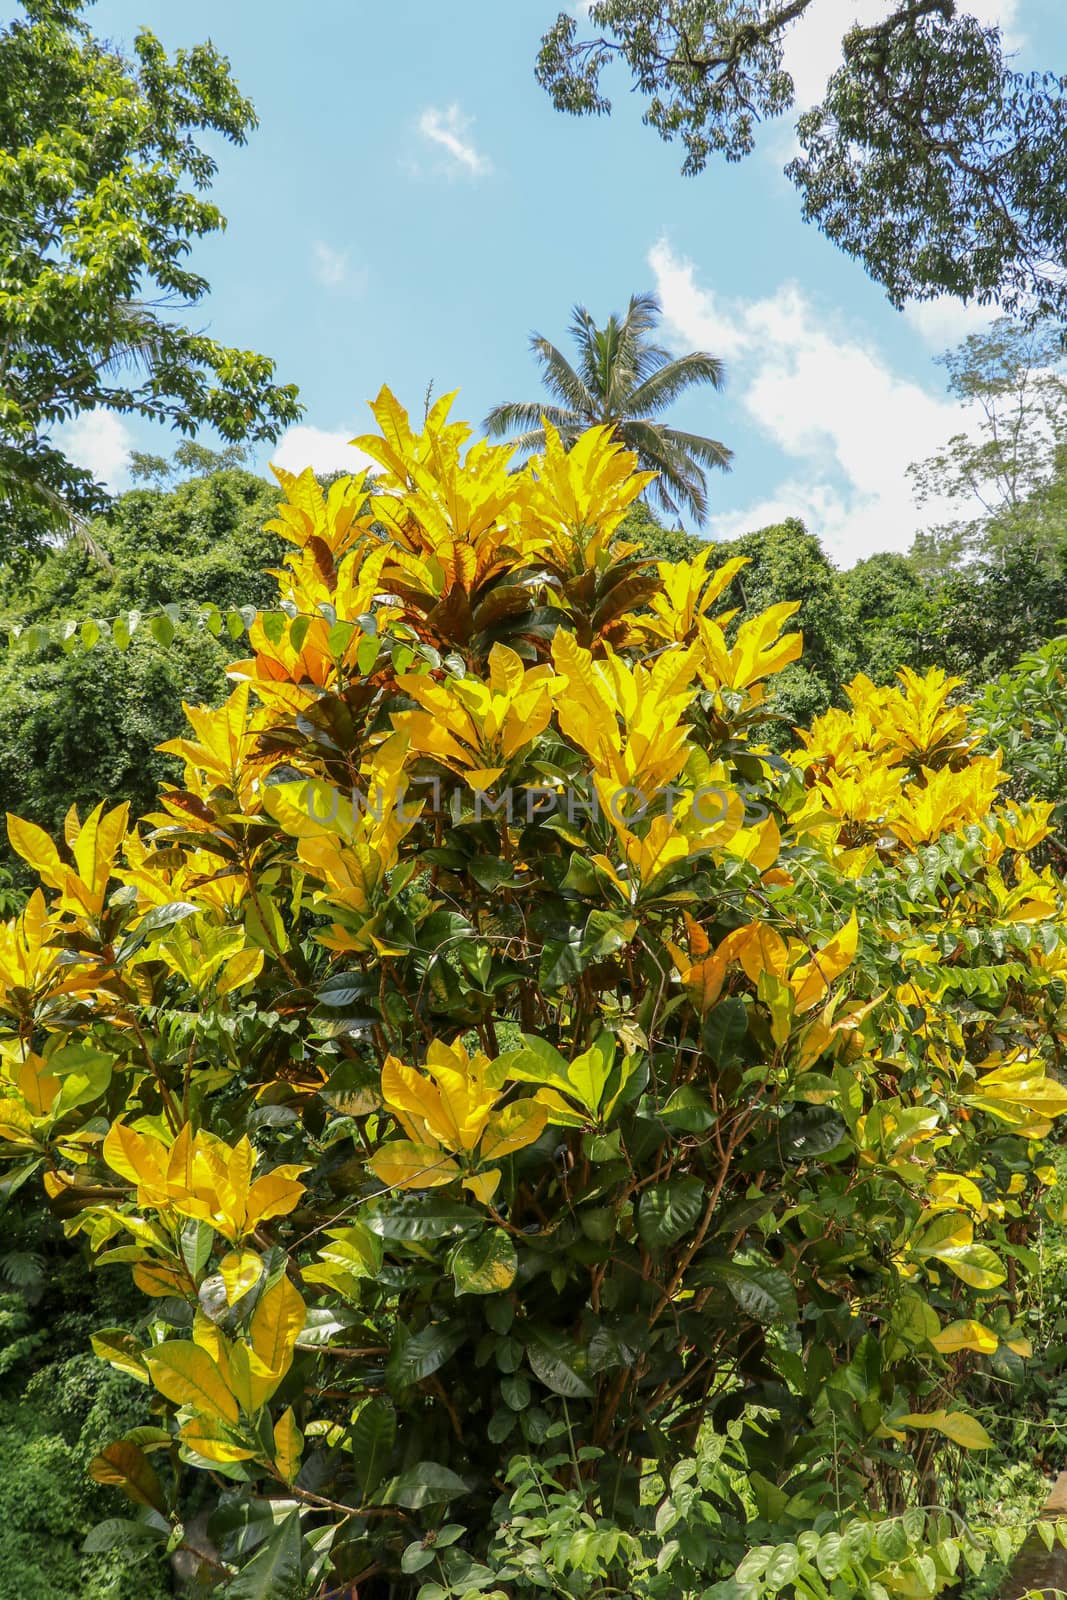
(527, 415)
(710, 452)
(664, 385)
(561, 379)
(136, 339)
(680, 482)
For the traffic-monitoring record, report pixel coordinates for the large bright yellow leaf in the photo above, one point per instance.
(213, 1440)
(958, 1426)
(36, 848)
(965, 1335)
(187, 1375)
(401, 1164)
(288, 1444)
(276, 1325)
(240, 1272)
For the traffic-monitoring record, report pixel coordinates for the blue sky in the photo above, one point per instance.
(411, 206)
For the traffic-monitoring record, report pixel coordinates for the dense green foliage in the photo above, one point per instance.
(102, 193)
(58, 1407)
(930, 158)
(84, 726)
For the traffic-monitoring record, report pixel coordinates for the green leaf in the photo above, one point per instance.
(416, 1556)
(426, 1219)
(427, 1483)
(373, 1436)
(668, 1210)
(115, 1532)
(367, 654)
(274, 1573)
(424, 1352)
(339, 637)
(485, 1265)
(689, 1110)
(832, 1556)
(589, 1072)
(162, 629)
(196, 1240)
(515, 1392)
(782, 1567)
(539, 1062)
(556, 1370)
(762, 1292)
(724, 1030)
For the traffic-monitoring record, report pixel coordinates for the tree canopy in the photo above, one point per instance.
(103, 182)
(929, 158)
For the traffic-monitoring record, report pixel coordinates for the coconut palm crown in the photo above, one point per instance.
(623, 378)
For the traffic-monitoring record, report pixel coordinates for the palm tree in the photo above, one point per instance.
(623, 378)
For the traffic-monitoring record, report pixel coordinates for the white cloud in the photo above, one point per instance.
(325, 451)
(100, 441)
(448, 130)
(946, 321)
(826, 399)
(332, 269)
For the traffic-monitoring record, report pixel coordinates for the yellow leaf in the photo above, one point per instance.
(187, 1375)
(958, 1426)
(213, 1441)
(484, 1185)
(16, 1123)
(273, 1195)
(966, 1335)
(400, 1164)
(240, 1271)
(36, 848)
(121, 1349)
(125, 1465)
(158, 1281)
(288, 1443)
(137, 1157)
(513, 1129)
(276, 1325)
(810, 982)
(240, 969)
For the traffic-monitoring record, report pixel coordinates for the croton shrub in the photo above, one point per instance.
(510, 1085)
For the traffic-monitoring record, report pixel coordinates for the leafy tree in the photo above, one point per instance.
(641, 526)
(102, 193)
(578, 1192)
(84, 726)
(886, 609)
(58, 1409)
(930, 159)
(1006, 473)
(783, 563)
(988, 615)
(1024, 713)
(622, 380)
